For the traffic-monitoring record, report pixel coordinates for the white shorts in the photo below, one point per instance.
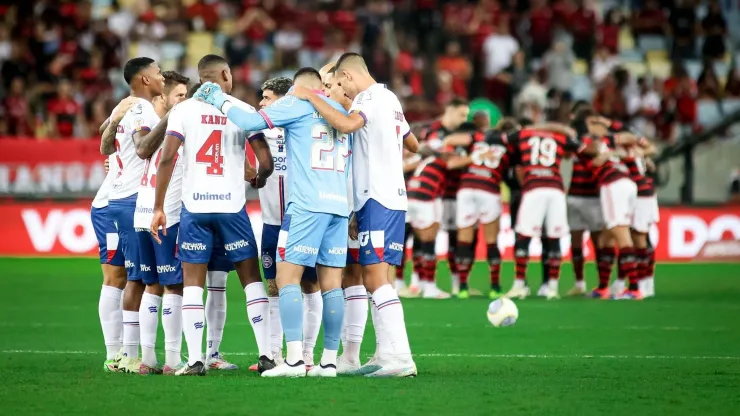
(477, 206)
(449, 214)
(646, 213)
(543, 205)
(424, 214)
(618, 202)
(584, 213)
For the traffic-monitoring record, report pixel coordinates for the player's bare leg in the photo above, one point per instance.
(578, 259)
(258, 308)
(313, 305)
(193, 316)
(355, 319)
(627, 264)
(605, 256)
(151, 302)
(330, 280)
(291, 312)
(110, 313)
(172, 325)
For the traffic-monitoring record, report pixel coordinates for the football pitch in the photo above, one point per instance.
(677, 354)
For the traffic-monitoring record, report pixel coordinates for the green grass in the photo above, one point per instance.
(677, 354)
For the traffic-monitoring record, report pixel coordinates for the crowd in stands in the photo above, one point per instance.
(654, 64)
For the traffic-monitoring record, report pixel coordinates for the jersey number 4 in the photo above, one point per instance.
(211, 154)
(322, 150)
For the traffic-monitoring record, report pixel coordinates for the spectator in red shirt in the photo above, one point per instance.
(17, 111)
(680, 92)
(207, 13)
(608, 34)
(345, 19)
(582, 24)
(540, 27)
(650, 20)
(63, 112)
(458, 66)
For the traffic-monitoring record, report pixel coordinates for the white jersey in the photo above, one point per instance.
(172, 199)
(377, 151)
(213, 156)
(141, 118)
(273, 196)
(101, 198)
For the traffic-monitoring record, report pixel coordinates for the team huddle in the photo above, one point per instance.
(343, 184)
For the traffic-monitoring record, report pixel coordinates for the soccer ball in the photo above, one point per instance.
(502, 312)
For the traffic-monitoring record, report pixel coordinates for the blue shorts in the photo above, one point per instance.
(121, 212)
(107, 237)
(158, 263)
(309, 238)
(381, 233)
(270, 235)
(219, 260)
(200, 232)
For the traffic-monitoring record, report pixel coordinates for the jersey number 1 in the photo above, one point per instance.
(211, 154)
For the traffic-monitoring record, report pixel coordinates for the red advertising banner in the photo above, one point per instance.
(58, 229)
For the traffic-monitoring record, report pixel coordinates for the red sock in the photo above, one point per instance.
(494, 262)
(605, 261)
(417, 261)
(430, 269)
(521, 256)
(628, 266)
(643, 257)
(577, 257)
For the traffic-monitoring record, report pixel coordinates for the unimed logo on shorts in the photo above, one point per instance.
(192, 246)
(236, 245)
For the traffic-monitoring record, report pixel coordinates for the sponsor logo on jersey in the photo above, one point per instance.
(192, 246)
(166, 268)
(236, 245)
(306, 250)
(197, 196)
(338, 250)
(267, 261)
(144, 210)
(332, 197)
(401, 192)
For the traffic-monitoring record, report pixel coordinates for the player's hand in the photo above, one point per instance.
(302, 92)
(123, 108)
(353, 232)
(258, 182)
(250, 173)
(211, 93)
(159, 220)
(106, 166)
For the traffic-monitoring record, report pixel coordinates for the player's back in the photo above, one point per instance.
(317, 158)
(377, 151)
(274, 195)
(490, 161)
(140, 119)
(213, 157)
(541, 153)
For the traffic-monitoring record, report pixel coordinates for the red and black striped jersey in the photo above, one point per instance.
(436, 131)
(427, 182)
(583, 183)
(613, 169)
(490, 163)
(540, 154)
(637, 171)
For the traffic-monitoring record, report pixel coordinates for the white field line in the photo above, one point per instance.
(440, 355)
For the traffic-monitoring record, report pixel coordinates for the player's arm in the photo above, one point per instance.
(410, 142)
(108, 141)
(458, 139)
(244, 119)
(458, 162)
(103, 126)
(340, 121)
(149, 143)
(411, 162)
(164, 174)
(264, 159)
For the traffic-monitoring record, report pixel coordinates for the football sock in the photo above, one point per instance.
(258, 312)
(148, 324)
(494, 262)
(172, 325)
(215, 310)
(332, 316)
(193, 319)
(605, 259)
(355, 319)
(429, 262)
(451, 249)
(544, 258)
(131, 334)
(642, 259)
(390, 313)
(465, 258)
(276, 327)
(111, 319)
(120, 309)
(521, 256)
(313, 305)
(577, 257)
(554, 258)
(291, 315)
(628, 267)
(650, 272)
(418, 262)
(381, 339)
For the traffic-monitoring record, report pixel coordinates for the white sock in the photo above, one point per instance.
(148, 323)
(519, 283)
(215, 310)
(193, 318)
(581, 284)
(328, 357)
(552, 285)
(276, 327)
(355, 319)
(172, 324)
(111, 319)
(131, 334)
(294, 352)
(415, 279)
(258, 312)
(381, 344)
(390, 313)
(313, 307)
(120, 308)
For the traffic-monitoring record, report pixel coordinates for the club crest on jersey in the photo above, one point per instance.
(211, 119)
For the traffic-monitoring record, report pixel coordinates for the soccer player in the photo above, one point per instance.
(381, 133)
(147, 82)
(111, 259)
(479, 203)
(540, 150)
(355, 294)
(214, 206)
(315, 224)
